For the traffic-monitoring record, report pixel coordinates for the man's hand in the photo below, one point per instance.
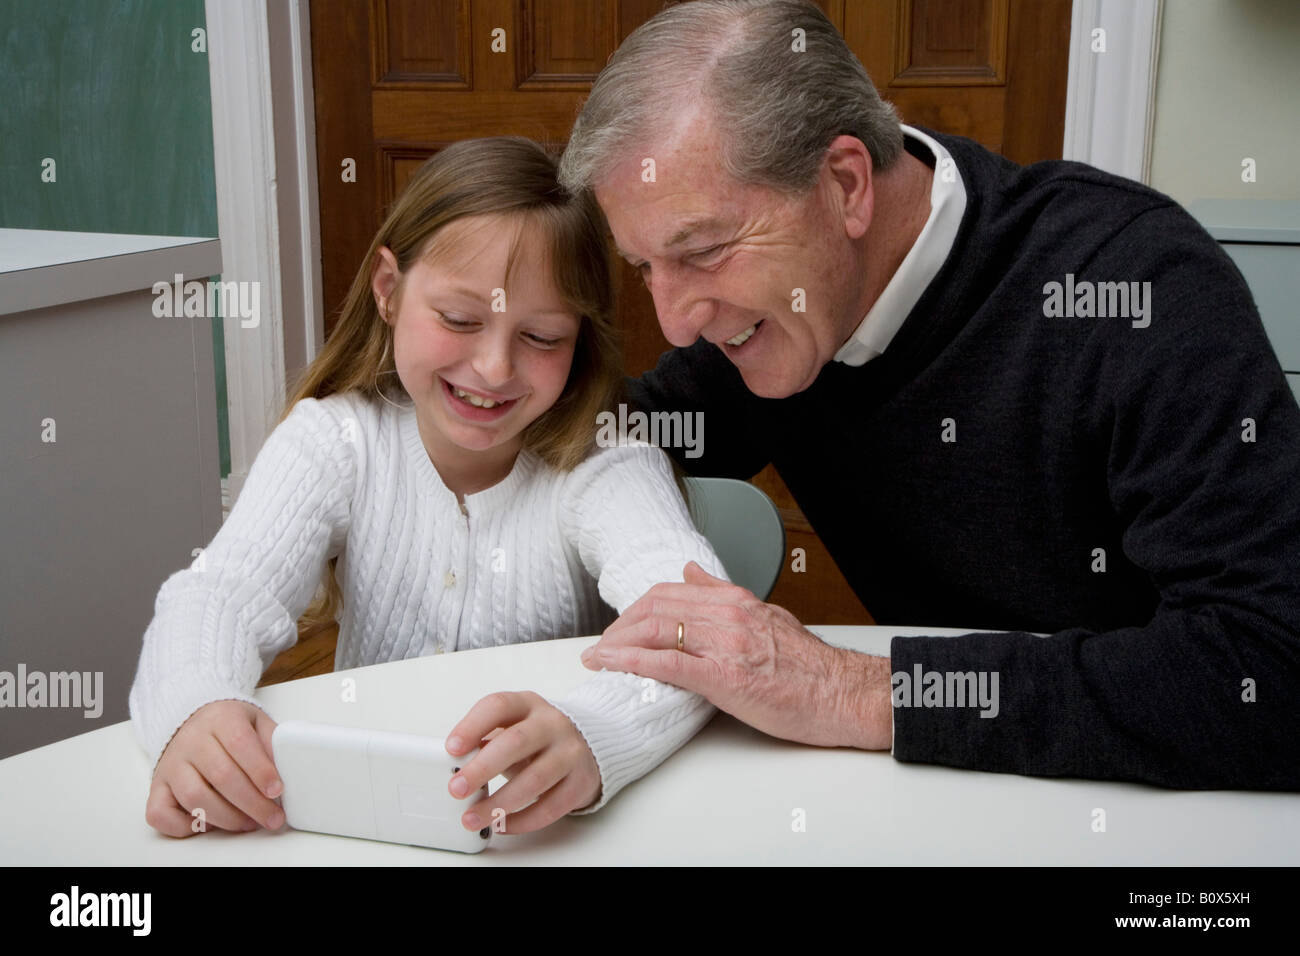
(540, 752)
(752, 660)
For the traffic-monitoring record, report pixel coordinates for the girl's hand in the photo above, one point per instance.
(539, 751)
(219, 762)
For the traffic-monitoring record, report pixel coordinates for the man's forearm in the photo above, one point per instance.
(1183, 702)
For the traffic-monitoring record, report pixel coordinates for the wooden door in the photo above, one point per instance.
(396, 80)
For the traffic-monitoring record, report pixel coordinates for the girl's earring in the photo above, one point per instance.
(380, 391)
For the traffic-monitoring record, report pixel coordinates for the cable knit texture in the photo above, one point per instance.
(542, 554)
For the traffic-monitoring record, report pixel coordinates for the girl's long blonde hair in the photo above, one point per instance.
(498, 175)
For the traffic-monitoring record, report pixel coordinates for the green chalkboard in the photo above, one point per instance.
(114, 93)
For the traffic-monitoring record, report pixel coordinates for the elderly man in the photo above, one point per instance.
(1033, 400)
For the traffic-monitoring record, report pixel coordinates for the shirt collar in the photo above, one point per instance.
(919, 266)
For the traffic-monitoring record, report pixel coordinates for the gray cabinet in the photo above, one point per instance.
(1263, 238)
(108, 465)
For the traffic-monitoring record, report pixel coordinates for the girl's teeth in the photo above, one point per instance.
(476, 400)
(743, 337)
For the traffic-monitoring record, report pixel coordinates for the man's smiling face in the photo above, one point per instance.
(720, 258)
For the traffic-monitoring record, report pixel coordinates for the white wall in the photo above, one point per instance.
(1228, 87)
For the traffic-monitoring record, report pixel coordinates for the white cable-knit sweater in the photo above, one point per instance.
(526, 560)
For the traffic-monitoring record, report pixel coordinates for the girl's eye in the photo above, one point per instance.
(457, 322)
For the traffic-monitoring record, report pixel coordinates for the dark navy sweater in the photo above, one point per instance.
(1179, 663)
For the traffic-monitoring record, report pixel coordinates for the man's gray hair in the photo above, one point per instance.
(777, 107)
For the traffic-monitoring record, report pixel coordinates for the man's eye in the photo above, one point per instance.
(708, 253)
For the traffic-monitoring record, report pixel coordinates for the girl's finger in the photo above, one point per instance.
(557, 802)
(493, 711)
(265, 728)
(516, 768)
(164, 813)
(194, 792)
(225, 772)
(516, 744)
(539, 777)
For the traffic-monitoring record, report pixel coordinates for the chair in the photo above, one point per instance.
(744, 528)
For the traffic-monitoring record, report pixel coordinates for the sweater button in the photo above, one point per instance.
(450, 579)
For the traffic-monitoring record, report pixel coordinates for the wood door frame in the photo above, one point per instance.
(1108, 123)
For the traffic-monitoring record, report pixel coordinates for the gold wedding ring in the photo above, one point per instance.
(681, 636)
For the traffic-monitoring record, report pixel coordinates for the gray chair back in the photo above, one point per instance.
(744, 528)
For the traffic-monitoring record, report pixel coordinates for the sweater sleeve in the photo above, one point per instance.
(220, 622)
(1198, 441)
(622, 510)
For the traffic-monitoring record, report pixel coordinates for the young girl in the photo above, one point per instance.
(437, 462)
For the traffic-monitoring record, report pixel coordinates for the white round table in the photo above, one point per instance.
(729, 796)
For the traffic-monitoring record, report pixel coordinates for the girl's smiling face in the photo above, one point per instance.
(464, 333)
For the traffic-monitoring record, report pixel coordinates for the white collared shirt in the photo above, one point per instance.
(919, 266)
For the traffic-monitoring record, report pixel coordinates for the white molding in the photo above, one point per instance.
(267, 235)
(247, 222)
(1110, 98)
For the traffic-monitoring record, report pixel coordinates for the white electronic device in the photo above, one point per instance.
(373, 784)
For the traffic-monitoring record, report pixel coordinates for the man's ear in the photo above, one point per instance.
(848, 163)
(384, 277)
